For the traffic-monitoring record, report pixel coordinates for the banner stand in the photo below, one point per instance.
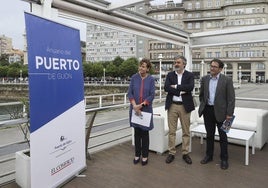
(57, 108)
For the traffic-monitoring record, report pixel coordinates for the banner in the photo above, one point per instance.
(56, 92)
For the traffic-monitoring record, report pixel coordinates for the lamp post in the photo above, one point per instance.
(240, 75)
(202, 69)
(104, 76)
(160, 76)
(20, 76)
(225, 68)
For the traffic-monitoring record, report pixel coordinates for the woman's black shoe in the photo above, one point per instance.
(136, 161)
(143, 163)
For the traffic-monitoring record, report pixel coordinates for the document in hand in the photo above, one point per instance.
(144, 119)
(226, 125)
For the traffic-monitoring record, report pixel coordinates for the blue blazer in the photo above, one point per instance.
(142, 91)
(187, 85)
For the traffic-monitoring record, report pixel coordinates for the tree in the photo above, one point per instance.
(118, 61)
(87, 69)
(13, 72)
(24, 69)
(129, 67)
(4, 60)
(97, 70)
(3, 71)
(15, 65)
(152, 70)
(112, 70)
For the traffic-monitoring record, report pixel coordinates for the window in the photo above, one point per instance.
(190, 6)
(217, 54)
(260, 66)
(218, 3)
(209, 54)
(169, 46)
(197, 5)
(170, 16)
(239, 11)
(209, 3)
(197, 25)
(161, 17)
(189, 15)
(249, 10)
(189, 26)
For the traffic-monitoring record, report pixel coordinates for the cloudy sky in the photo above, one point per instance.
(12, 22)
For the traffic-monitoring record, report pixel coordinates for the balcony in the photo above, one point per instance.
(112, 153)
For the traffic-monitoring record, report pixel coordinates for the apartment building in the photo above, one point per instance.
(5, 45)
(246, 61)
(104, 44)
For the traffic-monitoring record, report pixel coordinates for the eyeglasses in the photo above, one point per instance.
(214, 67)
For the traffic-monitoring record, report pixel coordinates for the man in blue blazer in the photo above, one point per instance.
(217, 103)
(179, 85)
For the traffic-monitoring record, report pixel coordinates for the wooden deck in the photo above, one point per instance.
(113, 168)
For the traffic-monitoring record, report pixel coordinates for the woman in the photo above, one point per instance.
(141, 93)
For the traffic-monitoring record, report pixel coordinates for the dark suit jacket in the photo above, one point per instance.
(224, 103)
(187, 85)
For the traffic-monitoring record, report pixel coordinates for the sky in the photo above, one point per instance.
(12, 22)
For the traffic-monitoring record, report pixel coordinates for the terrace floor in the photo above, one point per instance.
(113, 168)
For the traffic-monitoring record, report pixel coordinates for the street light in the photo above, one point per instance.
(225, 68)
(104, 76)
(20, 76)
(202, 69)
(240, 75)
(160, 76)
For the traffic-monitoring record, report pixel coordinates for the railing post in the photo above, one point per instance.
(125, 98)
(100, 101)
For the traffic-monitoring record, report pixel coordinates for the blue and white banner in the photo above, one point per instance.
(57, 111)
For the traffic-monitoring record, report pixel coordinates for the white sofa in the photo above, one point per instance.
(246, 119)
(252, 119)
(159, 135)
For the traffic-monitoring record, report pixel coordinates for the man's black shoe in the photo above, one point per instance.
(224, 165)
(187, 159)
(170, 158)
(206, 160)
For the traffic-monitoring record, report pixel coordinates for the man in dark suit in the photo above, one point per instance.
(217, 103)
(179, 104)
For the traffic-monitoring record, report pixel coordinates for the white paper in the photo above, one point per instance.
(144, 119)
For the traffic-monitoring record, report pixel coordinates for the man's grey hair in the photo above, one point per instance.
(184, 60)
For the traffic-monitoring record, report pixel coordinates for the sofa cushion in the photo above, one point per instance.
(245, 125)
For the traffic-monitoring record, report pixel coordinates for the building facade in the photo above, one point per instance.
(247, 61)
(105, 44)
(5, 45)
